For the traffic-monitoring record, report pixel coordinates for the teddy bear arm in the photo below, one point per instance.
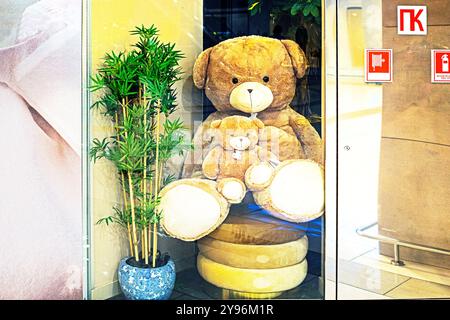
(266, 155)
(202, 143)
(308, 137)
(211, 168)
(193, 159)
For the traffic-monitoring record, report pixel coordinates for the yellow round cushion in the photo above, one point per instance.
(256, 228)
(251, 280)
(254, 256)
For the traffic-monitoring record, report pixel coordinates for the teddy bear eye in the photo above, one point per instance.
(266, 79)
(235, 80)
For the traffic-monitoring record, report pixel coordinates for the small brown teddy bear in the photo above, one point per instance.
(237, 148)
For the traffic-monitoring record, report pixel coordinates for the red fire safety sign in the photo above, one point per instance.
(440, 71)
(378, 65)
(412, 20)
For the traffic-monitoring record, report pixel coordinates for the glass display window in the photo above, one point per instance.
(209, 163)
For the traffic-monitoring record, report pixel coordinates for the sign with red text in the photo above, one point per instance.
(412, 20)
(440, 70)
(378, 65)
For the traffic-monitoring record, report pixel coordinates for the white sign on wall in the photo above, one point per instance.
(412, 20)
(440, 66)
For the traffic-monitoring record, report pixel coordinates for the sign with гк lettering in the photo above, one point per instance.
(412, 20)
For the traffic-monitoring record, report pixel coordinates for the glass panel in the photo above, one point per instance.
(242, 213)
(393, 151)
(330, 148)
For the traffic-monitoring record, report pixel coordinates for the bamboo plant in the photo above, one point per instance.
(137, 93)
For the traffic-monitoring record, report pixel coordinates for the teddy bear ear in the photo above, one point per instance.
(258, 123)
(200, 68)
(298, 57)
(216, 124)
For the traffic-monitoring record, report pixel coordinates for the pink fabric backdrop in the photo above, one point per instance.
(40, 146)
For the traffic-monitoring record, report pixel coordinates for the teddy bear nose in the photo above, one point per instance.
(250, 90)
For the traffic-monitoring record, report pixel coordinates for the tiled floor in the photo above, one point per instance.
(413, 280)
(416, 289)
(346, 292)
(411, 269)
(368, 278)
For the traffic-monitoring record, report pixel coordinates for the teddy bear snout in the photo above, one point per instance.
(251, 97)
(240, 143)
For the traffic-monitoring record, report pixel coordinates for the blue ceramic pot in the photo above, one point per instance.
(147, 283)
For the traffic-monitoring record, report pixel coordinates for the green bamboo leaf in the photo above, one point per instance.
(295, 9)
(306, 10)
(315, 11)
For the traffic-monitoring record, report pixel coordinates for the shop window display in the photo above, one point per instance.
(240, 212)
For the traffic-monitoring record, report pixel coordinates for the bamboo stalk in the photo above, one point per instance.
(155, 244)
(124, 110)
(131, 194)
(142, 242)
(160, 176)
(125, 204)
(144, 182)
(130, 241)
(149, 238)
(145, 240)
(133, 217)
(151, 196)
(155, 235)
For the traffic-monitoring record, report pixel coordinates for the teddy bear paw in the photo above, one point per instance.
(259, 176)
(192, 208)
(296, 192)
(232, 189)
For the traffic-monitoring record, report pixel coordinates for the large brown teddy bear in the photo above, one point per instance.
(250, 76)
